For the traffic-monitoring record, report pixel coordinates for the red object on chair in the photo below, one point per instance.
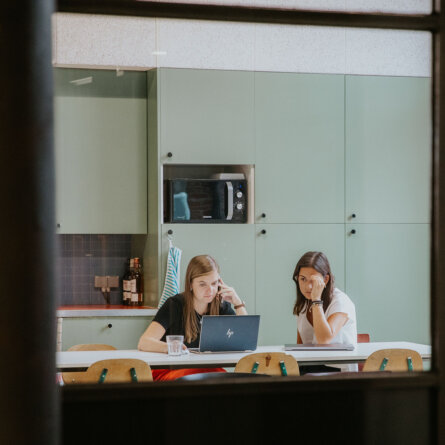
(173, 374)
(362, 338)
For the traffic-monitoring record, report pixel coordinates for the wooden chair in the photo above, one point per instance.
(92, 347)
(394, 360)
(76, 377)
(271, 363)
(119, 370)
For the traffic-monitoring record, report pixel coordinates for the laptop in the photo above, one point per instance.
(228, 333)
(326, 347)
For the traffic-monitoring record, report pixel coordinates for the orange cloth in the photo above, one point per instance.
(173, 374)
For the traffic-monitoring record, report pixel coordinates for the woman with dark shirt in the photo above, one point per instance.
(205, 294)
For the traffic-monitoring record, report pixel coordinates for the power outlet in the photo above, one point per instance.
(113, 281)
(100, 281)
(106, 282)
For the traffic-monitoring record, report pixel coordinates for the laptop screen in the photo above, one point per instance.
(226, 333)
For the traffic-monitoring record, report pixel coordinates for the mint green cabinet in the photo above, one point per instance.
(120, 332)
(206, 116)
(324, 147)
(299, 158)
(277, 253)
(388, 201)
(388, 280)
(388, 149)
(100, 151)
(231, 245)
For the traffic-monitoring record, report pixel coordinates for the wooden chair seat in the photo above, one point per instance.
(268, 363)
(92, 347)
(118, 371)
(78, 377)
(393, 360)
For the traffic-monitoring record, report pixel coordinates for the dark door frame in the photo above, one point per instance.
(434, 23)
(27, 331)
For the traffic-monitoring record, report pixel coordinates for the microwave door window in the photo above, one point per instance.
(202, 200)
(194, 201)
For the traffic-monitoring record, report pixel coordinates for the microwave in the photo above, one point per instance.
(205, 201)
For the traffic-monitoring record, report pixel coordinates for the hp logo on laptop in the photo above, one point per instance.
(229, 333)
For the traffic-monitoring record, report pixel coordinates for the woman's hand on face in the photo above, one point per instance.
(318, 285)
(227, 293)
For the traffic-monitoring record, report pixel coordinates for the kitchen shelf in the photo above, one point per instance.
(102, 310)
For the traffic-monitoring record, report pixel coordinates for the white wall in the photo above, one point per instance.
(141, 43)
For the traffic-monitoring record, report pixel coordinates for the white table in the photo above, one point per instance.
(76, 360)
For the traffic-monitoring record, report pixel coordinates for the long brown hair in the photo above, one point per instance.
(320, 263)
(198, 266)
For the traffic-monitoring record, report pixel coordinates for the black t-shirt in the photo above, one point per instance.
(170, 317)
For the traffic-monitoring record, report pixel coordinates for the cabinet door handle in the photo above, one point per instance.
(109, 325)
(169, 154)
(353, 215)
(263, 232)
(353, 231)
(263, 215)
(229, 189)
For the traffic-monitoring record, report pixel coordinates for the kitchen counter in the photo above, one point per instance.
(104, 310)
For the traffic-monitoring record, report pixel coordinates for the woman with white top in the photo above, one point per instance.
(324, 313)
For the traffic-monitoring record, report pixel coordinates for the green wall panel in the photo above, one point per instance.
(388, 149)
(388, 276)
(101, 164)
(232, 246)
(207, 116)
(277, 253)
(299, 132)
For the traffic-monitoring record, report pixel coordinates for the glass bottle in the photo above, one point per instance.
(137, 284)
(126, 283)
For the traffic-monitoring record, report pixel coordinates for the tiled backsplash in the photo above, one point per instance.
(81, 257)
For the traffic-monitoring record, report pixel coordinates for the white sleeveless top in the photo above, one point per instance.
(348, 333)
(340, 303)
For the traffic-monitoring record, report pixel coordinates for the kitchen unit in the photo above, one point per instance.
(337, 158)
(118, 326)
(101, 151)
(101, 199)
(337, 163)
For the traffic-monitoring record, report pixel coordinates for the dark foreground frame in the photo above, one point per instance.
(363, 409)
(367, 409)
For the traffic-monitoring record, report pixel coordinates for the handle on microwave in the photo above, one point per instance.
(229, 200)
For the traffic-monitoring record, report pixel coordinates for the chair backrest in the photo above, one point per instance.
(271, 363)
(112, 371)
(363, 338)
(394, 360)
(92, 347)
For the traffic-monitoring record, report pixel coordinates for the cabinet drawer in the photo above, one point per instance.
(120, 332)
